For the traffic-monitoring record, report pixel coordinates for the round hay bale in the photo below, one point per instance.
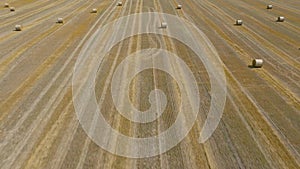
(12, 9)
(18, 27)
(119, 3)
(164, 25)
(257, 63)
(6, 5)
(60, 20)
(179, 6)
(269, 6)
(239, 22)
(280, 19)
(94, 10)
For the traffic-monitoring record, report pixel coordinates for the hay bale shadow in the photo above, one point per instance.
(251, 66)
(254, 67)
(237, 25)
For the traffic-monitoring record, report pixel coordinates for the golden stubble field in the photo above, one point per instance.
(260, 127)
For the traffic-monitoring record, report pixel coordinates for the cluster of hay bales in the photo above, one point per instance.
(257, 63)
(6, 5)
(164, 25)
(269, 6)
(18, 27)
(59, 20)
(279, 18)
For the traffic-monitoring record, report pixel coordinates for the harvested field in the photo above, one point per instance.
(260, 125)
